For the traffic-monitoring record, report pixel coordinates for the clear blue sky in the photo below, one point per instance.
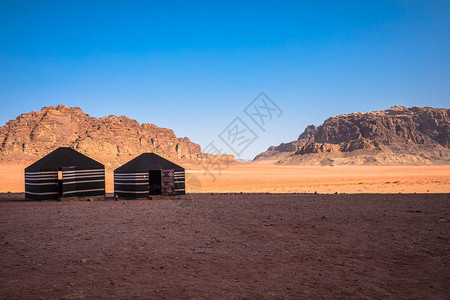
(194, 66)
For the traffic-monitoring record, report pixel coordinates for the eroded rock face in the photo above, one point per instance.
(313, 147)
(418, 131)
(111, 140)
(309, 134)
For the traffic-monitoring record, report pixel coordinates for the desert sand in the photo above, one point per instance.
(248, 232)
(249, 246)
(266, 177)
(309, 179)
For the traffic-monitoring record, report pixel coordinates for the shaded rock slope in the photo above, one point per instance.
(111, 140)
(398, 135)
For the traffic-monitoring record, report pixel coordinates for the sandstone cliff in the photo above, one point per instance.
(398, 135)
(111, 140)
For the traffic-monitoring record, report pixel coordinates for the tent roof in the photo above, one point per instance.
(148, 161)
(64, 157)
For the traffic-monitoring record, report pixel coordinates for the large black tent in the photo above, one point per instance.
(64, 173)
(149, 174)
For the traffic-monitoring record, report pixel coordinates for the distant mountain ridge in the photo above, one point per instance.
(398, 135)
(111, 140)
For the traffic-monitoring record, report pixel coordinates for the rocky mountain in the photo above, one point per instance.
(111, 140)
(398, 135)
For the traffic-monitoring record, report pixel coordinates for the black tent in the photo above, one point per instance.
(148, 174)
(64, 173)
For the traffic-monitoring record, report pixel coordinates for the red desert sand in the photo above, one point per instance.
(237, 246)
(246, 246)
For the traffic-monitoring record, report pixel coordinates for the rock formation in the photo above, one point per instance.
(398, 135)
(111, 140)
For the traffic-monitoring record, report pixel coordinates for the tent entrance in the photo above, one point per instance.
(161, 182)
(154, 181)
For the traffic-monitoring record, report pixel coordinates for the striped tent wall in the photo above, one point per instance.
(131, 185)
(41, 185)
(179, 182)
(64, 173)
(83, 182)
(149, 174)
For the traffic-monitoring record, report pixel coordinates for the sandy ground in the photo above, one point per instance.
(341, 179)
(286, 179)
(246, 246)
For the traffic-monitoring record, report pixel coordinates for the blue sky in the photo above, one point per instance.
(194, 66)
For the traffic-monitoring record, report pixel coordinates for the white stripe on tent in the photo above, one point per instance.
(85, 181)
(41, 178)
(84, 170)
(83, 191)
(46, 183)
(131, 177)
(37, 179)
(85, 176)
(130, 174)
(131, 192)
(82, 173)
(47, 193)
(37, 173)
(131, 183)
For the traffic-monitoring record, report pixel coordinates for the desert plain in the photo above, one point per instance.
(266, 177)
(255, 231)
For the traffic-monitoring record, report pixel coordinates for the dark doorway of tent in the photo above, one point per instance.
(161, 182)
(154, 181)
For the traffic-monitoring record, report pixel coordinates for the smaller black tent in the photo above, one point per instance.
(149, 174)
(64, 173)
